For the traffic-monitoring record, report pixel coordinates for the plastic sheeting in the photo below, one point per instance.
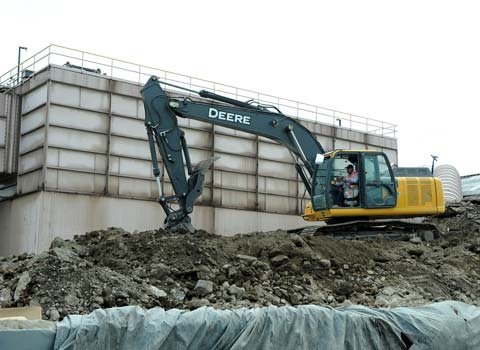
(447, 325)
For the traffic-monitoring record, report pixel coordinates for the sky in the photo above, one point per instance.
(415, 64)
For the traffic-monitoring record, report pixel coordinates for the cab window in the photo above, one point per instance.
(380, 189)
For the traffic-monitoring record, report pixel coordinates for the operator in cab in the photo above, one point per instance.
(343, 183)
(352, 176)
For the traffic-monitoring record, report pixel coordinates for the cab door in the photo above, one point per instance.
(380, 189)
(320, 186)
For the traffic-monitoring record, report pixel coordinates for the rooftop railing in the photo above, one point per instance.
(90, 63)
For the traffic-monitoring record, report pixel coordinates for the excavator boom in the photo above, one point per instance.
(161, 112)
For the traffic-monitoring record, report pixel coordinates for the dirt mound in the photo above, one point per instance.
(112, 267)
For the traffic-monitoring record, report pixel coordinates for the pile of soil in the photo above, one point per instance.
(112, 267)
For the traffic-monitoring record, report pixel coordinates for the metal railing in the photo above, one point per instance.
(90, 63)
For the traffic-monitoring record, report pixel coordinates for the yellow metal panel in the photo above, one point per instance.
(415, 197)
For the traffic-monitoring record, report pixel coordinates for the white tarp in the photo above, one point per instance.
(447, 325)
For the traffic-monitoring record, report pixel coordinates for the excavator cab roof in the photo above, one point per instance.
(333, 153)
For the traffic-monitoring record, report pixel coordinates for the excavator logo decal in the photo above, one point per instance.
(230, 117)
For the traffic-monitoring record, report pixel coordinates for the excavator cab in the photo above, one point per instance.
(334, 191)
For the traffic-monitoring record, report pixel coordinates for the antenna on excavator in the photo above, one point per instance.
(434, 159)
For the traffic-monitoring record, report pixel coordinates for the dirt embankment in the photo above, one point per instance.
(109, 268)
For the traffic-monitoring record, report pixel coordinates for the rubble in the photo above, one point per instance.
(112, 267)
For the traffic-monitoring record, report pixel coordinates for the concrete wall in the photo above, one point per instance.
(29, 223)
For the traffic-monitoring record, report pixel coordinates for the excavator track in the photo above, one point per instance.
(389, 229)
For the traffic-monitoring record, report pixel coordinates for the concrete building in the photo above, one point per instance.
(74, 155)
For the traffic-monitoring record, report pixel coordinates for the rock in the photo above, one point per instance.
(71, 300)
(382, 258)
(247, 258)
(272, 298)
(325, 263)
(64, 254)
(370, 272)
(232, 272)
(395, 303)
(122, 301)
(196, 303)
(346, 303)
(238, 292)
(297, 288)
(98, 300)
(34, 302)
(22, 284)
(54, 315)
(474, 247)
(344, 288)
(160, 271)
(261, 265)
(203, 287)
(318, 297)
(157, 293)
(286, 248)
(415, 252)
(389, 291)
(5, 297)
(381, 302)
(177, 294)
(298, 241)
(416, 240)
(57, 242)
(203, 268)
(427, 236)
(119, 293)
(279, 260)
(330, 298)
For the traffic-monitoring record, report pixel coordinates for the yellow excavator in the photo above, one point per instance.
(338, 195)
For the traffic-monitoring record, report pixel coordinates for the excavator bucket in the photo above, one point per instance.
(204, 165)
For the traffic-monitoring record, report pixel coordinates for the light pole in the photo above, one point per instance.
(20, 48)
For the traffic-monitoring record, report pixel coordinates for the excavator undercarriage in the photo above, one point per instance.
(372, 229)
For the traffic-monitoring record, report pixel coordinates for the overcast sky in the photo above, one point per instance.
(412, 63)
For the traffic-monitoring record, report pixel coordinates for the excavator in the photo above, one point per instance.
(376, 193)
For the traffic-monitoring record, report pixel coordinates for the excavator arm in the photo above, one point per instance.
(161, 112)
